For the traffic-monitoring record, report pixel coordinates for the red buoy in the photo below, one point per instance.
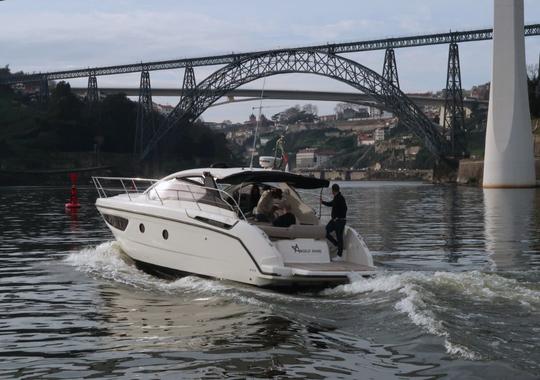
(73, 200)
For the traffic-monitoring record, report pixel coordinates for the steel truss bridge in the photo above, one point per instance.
(337, 48)
(242, 68)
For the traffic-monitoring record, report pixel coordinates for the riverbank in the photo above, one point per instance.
(370, 174)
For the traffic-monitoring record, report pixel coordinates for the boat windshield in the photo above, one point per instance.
(188, 190)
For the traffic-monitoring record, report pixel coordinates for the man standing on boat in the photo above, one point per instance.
(339, 218)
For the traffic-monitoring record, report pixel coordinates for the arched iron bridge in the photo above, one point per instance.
(254, 67)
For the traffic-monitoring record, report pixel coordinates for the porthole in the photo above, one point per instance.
(141, 228)
(165, 234)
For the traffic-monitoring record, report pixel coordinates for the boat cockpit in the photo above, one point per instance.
(236, 195)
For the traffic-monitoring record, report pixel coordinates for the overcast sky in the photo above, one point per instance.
(40, 35)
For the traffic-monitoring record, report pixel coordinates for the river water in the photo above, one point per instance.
(458, 297)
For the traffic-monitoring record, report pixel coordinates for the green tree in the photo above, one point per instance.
(62, 127)
(117, 125)
(64, 105)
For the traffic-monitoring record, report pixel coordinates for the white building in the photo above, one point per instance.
(379, 134)
(305, 158)
(364, 139)
(312, 158)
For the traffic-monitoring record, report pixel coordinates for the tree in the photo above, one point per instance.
(118, 118)
(533, 84)
(4, 71)
(64, 104)
(296, 114)
(349, 110)
(310, 109)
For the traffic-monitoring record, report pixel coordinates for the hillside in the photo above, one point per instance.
(64, 134)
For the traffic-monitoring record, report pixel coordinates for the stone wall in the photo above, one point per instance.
(471, 172)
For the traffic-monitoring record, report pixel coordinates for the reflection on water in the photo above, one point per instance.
(459, 296)
(508, 223)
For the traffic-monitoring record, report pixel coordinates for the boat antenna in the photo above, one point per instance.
(257, 125)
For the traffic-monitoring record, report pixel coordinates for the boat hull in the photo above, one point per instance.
(178, 243)
(286, 284)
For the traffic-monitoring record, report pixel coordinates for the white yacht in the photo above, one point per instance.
(200, 222)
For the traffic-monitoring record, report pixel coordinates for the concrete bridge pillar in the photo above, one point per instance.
(509, 156)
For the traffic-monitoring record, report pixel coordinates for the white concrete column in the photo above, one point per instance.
(509, 154)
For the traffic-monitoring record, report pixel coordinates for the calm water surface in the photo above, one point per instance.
(458, 297)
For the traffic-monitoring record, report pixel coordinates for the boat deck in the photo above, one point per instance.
(331, 267)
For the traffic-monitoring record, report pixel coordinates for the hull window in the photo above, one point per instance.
(141, 228)
(214, 222)
(116, 221)
(165, 234)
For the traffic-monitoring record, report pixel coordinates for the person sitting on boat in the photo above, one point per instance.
(339, 218)
(264, 212)
(287, 218)
(254, 196)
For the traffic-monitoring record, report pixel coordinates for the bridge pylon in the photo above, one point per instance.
(93, 111)
(454, 114)
(189, 84)
(92, 93)
(44, 90)
(145, 126)
(390, 72)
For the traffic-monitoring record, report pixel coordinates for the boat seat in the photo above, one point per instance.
(296, 231)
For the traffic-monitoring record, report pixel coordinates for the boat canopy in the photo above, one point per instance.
(295, 180)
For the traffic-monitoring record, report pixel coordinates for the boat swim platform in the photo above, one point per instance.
(334, 266)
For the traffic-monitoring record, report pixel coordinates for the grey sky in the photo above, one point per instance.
(38, 35)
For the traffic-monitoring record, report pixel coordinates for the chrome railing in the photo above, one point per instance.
(198, 194)
(109, 186)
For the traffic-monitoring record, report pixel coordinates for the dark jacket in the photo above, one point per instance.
(285, 220)
(339, 206)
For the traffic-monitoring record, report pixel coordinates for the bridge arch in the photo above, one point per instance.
(257, 66)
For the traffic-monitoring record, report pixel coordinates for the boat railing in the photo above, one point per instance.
(198, 194)
(110, 186)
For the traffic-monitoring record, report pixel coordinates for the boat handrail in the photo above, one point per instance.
(102, 190)
(132, 189)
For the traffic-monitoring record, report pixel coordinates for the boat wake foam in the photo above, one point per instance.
(108, 261)
(421, 294)
(418, 295)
